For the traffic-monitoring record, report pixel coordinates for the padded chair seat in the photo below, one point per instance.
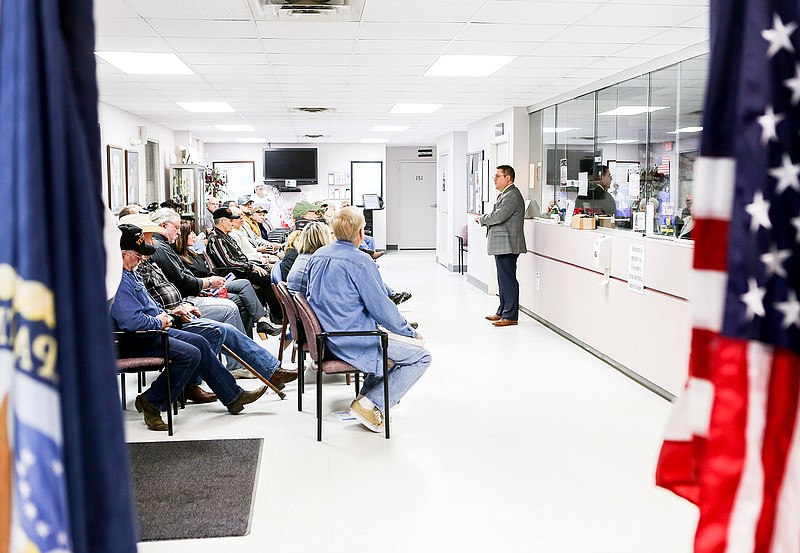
(136, 363)
(335, 366)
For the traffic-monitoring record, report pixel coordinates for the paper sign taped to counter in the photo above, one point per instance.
(636, 268)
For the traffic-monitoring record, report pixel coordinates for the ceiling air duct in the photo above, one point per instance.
(308, 10)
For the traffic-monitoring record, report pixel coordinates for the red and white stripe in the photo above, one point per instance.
(731, 445)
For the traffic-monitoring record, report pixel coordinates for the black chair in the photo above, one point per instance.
(141, 365)
(315, 337)
(463, 246)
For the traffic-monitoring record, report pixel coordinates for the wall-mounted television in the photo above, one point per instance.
(290, 164)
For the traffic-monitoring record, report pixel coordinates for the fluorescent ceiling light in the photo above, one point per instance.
(374, 140)
(415, 108)
(142, 63)
(685, 129)
(235, 128)
(467, 66)
(560, 129)
(251, 140)
(620, 141)
(633, 110)
(206, 107)
(390, 128)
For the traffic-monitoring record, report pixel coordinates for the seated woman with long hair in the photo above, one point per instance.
(240, 290)
(314, 236)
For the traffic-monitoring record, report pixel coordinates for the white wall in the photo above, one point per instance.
(117, 127)
(394, 155)
(331, 158)
(451, 152)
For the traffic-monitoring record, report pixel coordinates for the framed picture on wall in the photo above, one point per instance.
(116, 178)
(132, 176)
(239, 176)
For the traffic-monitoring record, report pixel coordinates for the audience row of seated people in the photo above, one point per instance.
(164, 277)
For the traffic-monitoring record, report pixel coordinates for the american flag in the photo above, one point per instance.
(732, 446)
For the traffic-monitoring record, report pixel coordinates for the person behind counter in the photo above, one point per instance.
(597, 197)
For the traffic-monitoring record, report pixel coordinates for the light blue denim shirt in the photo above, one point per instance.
(347, 293)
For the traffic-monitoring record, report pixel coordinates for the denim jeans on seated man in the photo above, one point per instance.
(192, 357)
(410, 362)
(251, 353)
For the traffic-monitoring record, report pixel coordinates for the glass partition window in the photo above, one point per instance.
(646, 130)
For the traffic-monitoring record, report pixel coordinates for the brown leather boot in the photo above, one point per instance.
(196, 394)
(247, 397)
(152, 416)
(281, 376)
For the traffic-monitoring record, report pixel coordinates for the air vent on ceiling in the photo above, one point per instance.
(313, 136)
(312, 110)
(308, 10)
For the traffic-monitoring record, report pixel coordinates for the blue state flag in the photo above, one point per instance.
(64, 474)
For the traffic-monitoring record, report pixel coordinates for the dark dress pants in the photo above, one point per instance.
(508, 285)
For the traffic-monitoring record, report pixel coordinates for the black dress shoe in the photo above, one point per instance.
(247, 397)
(281, 376)
(264, 329)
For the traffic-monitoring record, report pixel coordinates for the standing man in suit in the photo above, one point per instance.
(504, 227)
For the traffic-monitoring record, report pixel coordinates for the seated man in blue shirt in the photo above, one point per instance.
(191, 353)
(346, 292)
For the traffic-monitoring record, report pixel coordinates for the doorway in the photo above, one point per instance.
(417, 205)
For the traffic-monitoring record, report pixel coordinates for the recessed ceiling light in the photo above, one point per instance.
(632, 110)
(390, 128)
(467, 66)
(620, 141)
(560, 129)
(251, 140)
(685, 129)
(235, 128)
(206, 107)
(142, 63)
(374, 140)
(415, 108)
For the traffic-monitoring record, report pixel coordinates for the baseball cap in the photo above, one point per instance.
(132, 238)
(224, 213)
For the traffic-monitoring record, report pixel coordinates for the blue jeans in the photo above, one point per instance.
(254, 355)
(410, 362)
(191, 354)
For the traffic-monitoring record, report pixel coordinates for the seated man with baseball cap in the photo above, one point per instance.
(304, 212)
(191, 354)
(225, 252)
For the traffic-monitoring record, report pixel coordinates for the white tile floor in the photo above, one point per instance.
(515, 440)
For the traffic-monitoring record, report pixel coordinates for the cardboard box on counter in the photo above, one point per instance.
(582, 222)
(605, 221)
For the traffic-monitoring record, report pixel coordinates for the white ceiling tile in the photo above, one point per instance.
(488, 48)
(309, 59)
(533, 12)
(684, 36)
(650, 51)
(576, 49)
(219, 58)
(295, 30)
(418, 60)
(409, 31)
(511, 32)
(644, 15)
(318, 70)
(195, 28)
(229, 45)
(374, 46)
(123, 26)
(420, 11)
(295, 46)
(233, 69)
(192, 9)
(131, 44)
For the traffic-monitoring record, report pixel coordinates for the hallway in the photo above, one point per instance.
(514, 440)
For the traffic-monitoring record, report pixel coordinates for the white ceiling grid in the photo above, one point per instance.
(360, 69)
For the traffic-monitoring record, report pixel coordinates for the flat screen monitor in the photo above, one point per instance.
(292, 164)
(372, 201)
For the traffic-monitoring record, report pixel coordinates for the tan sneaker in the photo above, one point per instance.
(371, 418)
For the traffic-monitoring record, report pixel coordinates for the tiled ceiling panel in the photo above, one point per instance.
(362, 68)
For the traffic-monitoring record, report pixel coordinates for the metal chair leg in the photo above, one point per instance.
(301, 384)
(319, 395)
(385, 346)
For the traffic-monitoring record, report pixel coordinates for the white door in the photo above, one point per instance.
(442, 223)
(417, 205)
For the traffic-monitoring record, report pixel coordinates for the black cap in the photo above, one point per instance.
(133, 239)
(224, 213)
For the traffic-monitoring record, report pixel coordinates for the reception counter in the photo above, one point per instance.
(643, 333)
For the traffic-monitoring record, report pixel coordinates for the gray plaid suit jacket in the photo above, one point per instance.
(504, 225)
